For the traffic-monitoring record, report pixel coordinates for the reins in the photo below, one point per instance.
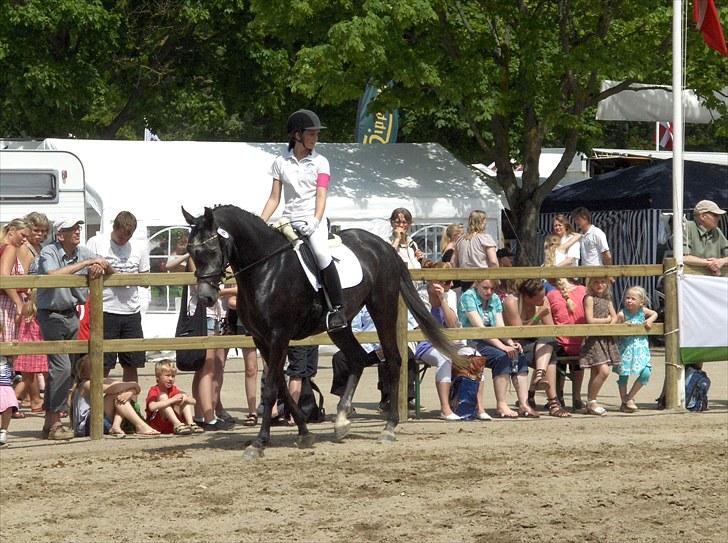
(261, 260)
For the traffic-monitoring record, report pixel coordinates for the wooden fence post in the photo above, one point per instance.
(673, 368)
(404, 367)
(96, 356)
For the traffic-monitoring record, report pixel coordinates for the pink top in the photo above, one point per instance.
(561, 315)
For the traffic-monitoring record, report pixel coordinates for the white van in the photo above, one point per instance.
(49, 182)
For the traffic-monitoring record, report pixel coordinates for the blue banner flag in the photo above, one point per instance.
(377, 128)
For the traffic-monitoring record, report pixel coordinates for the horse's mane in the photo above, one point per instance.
(246, 215)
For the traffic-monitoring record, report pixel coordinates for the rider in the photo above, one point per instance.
(304, 174)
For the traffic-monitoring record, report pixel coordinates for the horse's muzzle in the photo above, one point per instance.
(206, 294)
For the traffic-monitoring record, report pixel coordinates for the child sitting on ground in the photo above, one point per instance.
(118, 404)
(8, 401)
(170, 410)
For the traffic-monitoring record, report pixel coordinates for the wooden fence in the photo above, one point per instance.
(96, 346)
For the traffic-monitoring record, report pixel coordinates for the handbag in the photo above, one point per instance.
(191, 326)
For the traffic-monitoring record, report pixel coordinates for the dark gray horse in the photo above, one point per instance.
(276, 303)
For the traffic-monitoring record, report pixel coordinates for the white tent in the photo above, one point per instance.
(153, 179)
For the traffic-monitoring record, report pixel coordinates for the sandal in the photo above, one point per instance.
(528, 413)
(593, 408)
(556, 410)
(195, 428)
(539, 381)
(251, 420)
(18, 414)
(628, 407)
(182, 430)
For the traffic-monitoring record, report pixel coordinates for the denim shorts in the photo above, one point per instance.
(213, 326)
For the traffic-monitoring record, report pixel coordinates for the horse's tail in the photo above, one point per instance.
(429, 326)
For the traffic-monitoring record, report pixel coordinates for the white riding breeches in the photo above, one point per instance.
(319, 241)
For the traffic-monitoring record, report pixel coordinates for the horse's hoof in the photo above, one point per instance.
(252, 452)
(387, 437)
(305, 442)
(342, 430)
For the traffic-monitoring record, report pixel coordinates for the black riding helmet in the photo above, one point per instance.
(303, 119)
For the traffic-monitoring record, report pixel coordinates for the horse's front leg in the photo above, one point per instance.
(305, 438)
(269, 394)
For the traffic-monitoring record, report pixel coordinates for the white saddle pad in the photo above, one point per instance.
(347, 264)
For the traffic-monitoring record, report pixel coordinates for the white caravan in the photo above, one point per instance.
(49, 182)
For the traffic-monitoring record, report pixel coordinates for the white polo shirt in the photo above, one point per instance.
(593, 244)
(132, 257)
(299, 182)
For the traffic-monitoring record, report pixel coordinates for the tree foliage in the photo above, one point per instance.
(502, 79)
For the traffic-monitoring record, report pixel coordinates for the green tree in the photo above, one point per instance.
(497, 79)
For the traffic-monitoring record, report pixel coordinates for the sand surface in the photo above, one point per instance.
(649, 476)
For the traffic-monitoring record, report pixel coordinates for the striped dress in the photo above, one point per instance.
(8, 311)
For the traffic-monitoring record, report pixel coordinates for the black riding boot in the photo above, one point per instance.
(336, 319)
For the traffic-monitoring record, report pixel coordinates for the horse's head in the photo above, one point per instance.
(206, 247)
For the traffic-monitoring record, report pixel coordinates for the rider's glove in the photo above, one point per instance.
(309, 227)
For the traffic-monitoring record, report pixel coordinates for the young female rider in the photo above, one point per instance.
(304, 176)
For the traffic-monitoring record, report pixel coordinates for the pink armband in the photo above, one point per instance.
(323, 180)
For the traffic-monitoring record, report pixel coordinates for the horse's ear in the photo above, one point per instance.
(189, 218)
(208, 215)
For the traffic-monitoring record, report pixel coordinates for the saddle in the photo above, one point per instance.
(347, 264)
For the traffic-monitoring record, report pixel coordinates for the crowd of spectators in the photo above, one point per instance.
(43, 382)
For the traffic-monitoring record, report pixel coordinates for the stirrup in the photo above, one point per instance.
(336, 320)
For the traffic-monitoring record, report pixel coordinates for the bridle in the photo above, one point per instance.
(214, 278)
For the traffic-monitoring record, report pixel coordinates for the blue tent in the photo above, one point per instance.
(643, 187)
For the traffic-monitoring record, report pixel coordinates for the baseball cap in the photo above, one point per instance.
(708, 206)
(64, 224)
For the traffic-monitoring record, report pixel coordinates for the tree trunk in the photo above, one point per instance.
(525, 213)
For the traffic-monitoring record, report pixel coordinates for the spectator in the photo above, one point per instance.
(8, 401)
(475, 249)
(176, 262)
(207, 382)
(567, 307)
(566, 249)
(505, 260)
(528, 306)
(250, 358)
(169, 410)
(598, 352)
(594, 246)
(39, 226)
(505, 257)
(704, 244)
(634, 351)
(480, 307)
(449, 238)
(407, 249)
(443, 306)
(57, 314)
(30, 365)
(362, 322)
(119, 398)
(12, 238)
(122, 307)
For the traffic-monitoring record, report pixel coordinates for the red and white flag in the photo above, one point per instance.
(706, 18)
(664, 136)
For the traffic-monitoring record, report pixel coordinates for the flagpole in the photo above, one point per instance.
(674, 375)
(677, 132)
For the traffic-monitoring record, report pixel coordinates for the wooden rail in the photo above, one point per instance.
(96, 346)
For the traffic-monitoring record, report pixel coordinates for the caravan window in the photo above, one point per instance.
(28, 186)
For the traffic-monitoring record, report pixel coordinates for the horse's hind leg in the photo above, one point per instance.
(356, 356)
(384, 316)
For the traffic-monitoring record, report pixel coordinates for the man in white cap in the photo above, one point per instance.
(57, 315)
(704, 244)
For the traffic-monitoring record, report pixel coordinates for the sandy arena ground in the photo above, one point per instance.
(649, 476)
